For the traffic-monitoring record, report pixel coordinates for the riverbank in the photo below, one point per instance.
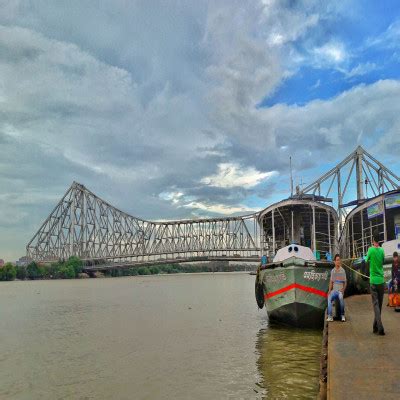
(73, 268)
(361, 365)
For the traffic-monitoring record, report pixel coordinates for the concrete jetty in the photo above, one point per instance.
(362, 365)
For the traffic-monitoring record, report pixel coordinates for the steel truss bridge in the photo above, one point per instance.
(84, 225)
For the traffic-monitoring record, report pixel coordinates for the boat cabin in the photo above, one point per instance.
(381, 214)
(305, 222)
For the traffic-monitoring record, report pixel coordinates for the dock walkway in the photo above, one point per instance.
(362, 365)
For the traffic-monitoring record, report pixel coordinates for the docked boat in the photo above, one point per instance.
(300, 238)
(379, 214)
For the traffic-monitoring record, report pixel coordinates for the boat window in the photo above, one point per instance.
(296, 248)
(290, 249)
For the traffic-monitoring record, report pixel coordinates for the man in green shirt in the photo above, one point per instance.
(376, 257)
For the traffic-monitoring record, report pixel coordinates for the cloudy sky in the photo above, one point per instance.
(178, 109)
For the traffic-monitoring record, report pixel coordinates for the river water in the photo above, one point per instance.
(197, 336)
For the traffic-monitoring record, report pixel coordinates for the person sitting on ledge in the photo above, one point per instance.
(337, 286)
(394, 283)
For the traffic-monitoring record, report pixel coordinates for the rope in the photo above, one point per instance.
(354, 270)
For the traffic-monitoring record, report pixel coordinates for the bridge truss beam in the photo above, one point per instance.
(84, 225)
(366, 170)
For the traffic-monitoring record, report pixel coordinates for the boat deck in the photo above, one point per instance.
(362, 365)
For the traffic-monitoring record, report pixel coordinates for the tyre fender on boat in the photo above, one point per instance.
(259, 290)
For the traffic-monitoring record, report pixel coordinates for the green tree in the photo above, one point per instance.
(143, 271)
(21, 273)
(154, 270)
(66, 272)
(45, 271)
(133, 271)
(76, 263)
(167, 269)
(34, 271)
(8, 272)
(115, 272)
(53, 270)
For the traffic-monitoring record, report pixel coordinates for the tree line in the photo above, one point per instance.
(73, 267)
(60, 270)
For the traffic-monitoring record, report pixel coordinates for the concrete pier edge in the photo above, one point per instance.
(323, 366)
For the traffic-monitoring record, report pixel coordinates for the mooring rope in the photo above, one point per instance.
(354, 270)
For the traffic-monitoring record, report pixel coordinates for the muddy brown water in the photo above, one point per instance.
(182, 336)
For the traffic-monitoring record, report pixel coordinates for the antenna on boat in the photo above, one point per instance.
(291, 177)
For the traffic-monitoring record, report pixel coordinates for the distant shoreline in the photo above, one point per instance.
(73, 268)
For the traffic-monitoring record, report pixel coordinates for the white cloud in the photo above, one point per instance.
(232, 175)
(174, 197)
(290, 27)
(388, 39)
(332, 52)
(360, 69)
(219, 208)
(316, 85)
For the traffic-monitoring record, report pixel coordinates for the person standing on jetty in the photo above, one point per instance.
(395, 281)
(396, 271)
(337, 286)
(376, 257)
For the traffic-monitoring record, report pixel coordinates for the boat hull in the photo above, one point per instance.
(296, 293)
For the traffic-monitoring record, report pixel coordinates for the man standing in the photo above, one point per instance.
(337, 286)
(376, 257)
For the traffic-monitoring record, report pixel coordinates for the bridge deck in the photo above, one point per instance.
(129, 264)
(362, 365)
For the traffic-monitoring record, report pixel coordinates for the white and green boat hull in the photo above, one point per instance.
(295, 291)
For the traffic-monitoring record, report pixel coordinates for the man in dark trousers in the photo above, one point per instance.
(376, 257)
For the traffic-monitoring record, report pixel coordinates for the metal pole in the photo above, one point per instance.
(314, 244)
(384, 222)
(291, 177)
(352, 236)
(348, 241)
(370, 229)
(329, 232)
(273, 232)
(340, 200)
(262, 237)
(362, 231)
(292, 229)
(359, 173)
(284, 232)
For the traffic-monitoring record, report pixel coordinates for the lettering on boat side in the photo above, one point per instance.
(315, 276)
(275, 278)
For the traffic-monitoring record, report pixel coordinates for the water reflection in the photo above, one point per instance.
(288, 362)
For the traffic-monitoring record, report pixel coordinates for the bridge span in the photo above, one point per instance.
(84, 225)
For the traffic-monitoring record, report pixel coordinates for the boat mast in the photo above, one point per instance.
(359, 173)
(291, 177)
